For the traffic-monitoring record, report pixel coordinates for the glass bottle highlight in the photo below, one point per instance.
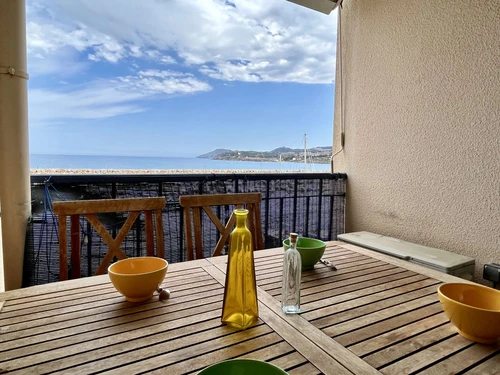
(290, 289)
(240, 308)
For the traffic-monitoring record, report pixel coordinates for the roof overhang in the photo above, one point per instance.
(323, 6)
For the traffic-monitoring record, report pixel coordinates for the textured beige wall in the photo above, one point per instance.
(422, 122)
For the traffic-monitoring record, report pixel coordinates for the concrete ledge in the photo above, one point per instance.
(440, 260)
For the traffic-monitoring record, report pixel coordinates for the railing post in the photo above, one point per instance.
(181, 231)
(113, 195)
(266, 220)
(306, 224)
(89, 249)
(281, 234)
(332, 201)
(138, 237)
(295, 205)
(320, 200)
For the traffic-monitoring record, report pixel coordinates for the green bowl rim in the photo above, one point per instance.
(323, 243)
(244, 360)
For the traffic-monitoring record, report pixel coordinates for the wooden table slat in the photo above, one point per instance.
(305, 369)
(488, 367)
(322, 279)
(69, 354)
(67, 320)
(98, 299)
(104, 305)
(362, 283)
(70, 285)
(97, 321)
(409, 346)
(396, 335)
(419, 360)
(198, 275)
(200, 355)
(289, 360)
(318, 309)
(374, 303)
(464, 359)
(377, 316)
(375, 329)
(64, 338)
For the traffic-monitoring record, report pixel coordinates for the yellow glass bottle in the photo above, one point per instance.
(240, 308)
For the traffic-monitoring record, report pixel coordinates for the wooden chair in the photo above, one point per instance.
(89, 208)
(251, 201)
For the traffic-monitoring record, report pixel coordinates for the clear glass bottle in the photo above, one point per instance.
(290, 289)
(240, 308)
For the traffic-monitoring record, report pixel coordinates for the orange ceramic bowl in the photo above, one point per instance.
(473, 309)
(138, 278)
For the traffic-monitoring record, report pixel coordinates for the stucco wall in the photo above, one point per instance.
(422, 122)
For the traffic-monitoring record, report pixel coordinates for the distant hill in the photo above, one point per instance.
(317, 154)
(214, 153)
(284, 149)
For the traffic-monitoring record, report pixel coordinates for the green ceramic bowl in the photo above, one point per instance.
(311, 250)
(242, 367)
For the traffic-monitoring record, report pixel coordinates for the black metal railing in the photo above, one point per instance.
(311, 204)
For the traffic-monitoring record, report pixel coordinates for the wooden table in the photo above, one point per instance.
(375, 314)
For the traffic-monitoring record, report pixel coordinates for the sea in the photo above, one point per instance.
(40, 161)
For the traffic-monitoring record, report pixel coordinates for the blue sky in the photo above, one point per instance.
(178, 77)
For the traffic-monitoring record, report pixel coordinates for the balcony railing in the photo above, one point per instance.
(311, 204)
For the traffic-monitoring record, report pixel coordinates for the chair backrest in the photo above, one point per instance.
(194, 203)
(89, 209)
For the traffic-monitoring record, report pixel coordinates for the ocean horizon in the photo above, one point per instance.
(48, 161)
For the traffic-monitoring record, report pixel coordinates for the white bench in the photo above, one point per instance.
(437, 259)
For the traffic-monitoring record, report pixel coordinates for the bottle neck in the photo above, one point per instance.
(241, 218)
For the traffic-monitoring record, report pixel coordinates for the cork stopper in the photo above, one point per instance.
(293, 237)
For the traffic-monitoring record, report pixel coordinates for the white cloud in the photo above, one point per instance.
(48, 38)
(108, 98)
(163, 73)
(156, 82)
(278, 41)
(135, 51)
(167, 60)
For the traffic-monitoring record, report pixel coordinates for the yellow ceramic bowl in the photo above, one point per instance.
(138, 278)
(473, 309)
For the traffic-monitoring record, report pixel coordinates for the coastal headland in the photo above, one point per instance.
(317, 155)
